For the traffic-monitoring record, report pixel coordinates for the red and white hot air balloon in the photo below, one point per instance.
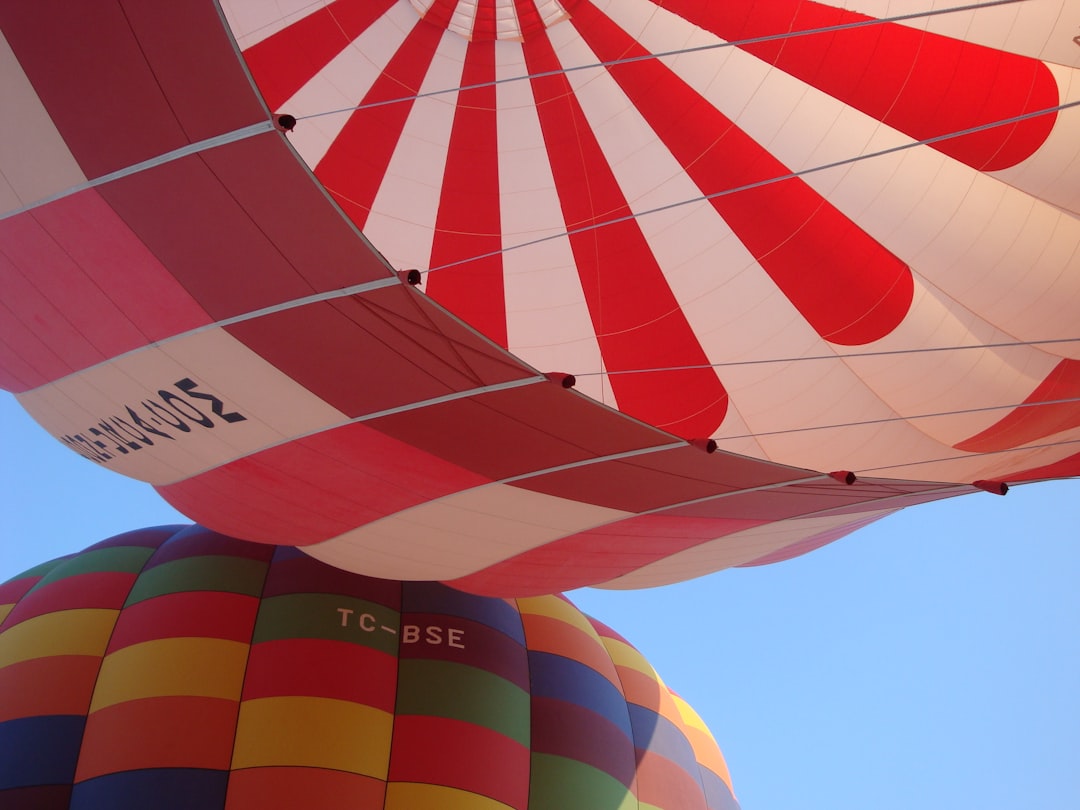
(323, 273)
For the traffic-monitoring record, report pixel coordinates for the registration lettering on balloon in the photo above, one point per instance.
(432, 634)
(114, 435)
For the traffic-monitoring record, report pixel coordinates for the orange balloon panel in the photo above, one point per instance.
(174, 667)
(460, 292)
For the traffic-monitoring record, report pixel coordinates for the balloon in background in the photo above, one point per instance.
(327, 276)
(172, 667)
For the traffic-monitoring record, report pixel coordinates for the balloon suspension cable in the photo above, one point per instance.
(901, 18)
(868, 472)
(735, 43)
(884, 420)
(1002, 122)
(910, 418)
(1011, 344)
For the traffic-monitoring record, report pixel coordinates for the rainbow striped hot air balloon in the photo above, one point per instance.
(175, 668)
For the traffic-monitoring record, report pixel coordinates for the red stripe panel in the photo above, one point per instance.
(664, 783)
(318, 487)
(195, 64)
(849, 288)
(94, 63)
(197, 614)
(440, 12)
(440, 751)
(635, 316)
(86, 288)
(660, 479)
(922, 84)
(16, 374)
(89, 83)
(39, 343)
(117, 268)
(98, 589)
(279, 195)
(356, 163)
(468, 223)
(578, 734)
(59, 684)
(209, 219)
(1034, 421)
(407, 348)
(322, 668)
(597, 555)
(15, 589)
(158, 732)
(506, 433)
(263, 788)
(283, 63)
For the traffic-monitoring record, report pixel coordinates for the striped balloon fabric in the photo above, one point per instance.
(527, 295)
(175, 668)
(791, 226)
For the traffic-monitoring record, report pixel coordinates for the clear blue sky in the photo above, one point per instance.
(931, 661)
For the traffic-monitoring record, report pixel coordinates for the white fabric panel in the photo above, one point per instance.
(1053, 173)
(463, 19)
(460, 534)
(34, 160)
(1006, 257)
(507, 27)
(252, 21)
(274, 406)
(953, 465)
(548, 320)
(734, 549)
(403, 215)
(343, 83)
(936, 382)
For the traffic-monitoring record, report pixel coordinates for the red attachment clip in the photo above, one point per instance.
(410, 277)
(993, 487)
(844, 477)
(708, 445)
(565, 380)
